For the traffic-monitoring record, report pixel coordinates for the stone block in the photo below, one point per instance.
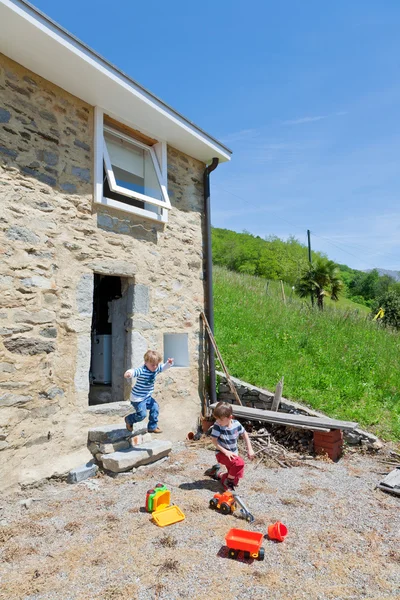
(141, 438)
(109, 434)
(83, 472)
(5, 116)
(14, 399)
(141, 300)
(22, 234)
(6, 367)
(137, 456)
(37, 281)
(223, 388)
(116, 447)
(84, 294)
(111, 408)
(29, 346)
(351, 438)
(93, 448)
(35, 317)
(82, 174)
(228, 396)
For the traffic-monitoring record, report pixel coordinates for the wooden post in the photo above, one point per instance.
(214, 344)
(283, 293)
(277, 396)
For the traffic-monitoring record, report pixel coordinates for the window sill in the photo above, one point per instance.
(142, 212)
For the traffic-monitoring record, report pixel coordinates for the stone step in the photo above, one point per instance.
(143, 454)
(100, 448)
(110, 434)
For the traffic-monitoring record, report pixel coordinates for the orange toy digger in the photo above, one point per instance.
(226, 504)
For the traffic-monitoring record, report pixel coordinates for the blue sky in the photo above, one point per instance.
(306, 94)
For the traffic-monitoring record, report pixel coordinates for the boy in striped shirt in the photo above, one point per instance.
(224, 434)
(141, 395)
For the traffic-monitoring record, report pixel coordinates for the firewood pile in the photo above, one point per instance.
(279, 445)
(392, 460)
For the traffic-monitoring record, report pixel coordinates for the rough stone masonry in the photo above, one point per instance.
(53, 239)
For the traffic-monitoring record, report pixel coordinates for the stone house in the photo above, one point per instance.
(103, 243)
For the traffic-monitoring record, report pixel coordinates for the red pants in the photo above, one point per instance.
(235, 466)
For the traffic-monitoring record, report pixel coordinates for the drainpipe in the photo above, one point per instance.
(208, 274)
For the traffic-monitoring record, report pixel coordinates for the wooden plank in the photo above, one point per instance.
(391, 483)
(133, 133)
(270, 416)
(214, 344)
(277, 396)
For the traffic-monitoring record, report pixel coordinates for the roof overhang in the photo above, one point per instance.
(33, 40)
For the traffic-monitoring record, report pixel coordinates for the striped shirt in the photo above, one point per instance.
(145, 379)
(227, 436)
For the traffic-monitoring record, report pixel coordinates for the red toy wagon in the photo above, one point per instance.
(249, 542)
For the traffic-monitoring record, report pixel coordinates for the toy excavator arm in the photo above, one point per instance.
(244, 510)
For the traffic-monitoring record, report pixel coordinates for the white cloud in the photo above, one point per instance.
(304, 120)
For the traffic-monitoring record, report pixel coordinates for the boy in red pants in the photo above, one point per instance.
(224, 435)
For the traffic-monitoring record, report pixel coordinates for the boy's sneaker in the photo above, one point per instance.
(156, 430)
(229, 485)
(213, 472)
(128, 425)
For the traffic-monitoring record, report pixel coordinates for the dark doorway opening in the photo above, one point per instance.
(106, 289)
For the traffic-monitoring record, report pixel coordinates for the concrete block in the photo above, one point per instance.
(136, 456)
(83, 472)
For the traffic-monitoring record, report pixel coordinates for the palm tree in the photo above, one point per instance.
(319, 280)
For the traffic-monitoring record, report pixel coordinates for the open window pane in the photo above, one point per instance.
(125, 199)
(128, 180)
(133, 167)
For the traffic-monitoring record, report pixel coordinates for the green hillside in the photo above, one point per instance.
(286, 260)
(337, 361)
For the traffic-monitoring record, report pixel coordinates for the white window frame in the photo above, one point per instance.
(158, 154)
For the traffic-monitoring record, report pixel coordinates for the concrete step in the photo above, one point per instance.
(143, 454)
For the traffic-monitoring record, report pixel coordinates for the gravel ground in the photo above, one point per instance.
(93, 540)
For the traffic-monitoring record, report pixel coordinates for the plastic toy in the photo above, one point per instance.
(168, 516)
(158, 502)
(157, 498)
(226, 504)
(248, 542)
(244, 510)
(278, 531)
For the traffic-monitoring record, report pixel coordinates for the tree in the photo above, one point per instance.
(320, 279)
(390, 303)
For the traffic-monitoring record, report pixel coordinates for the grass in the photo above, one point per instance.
(336, 361)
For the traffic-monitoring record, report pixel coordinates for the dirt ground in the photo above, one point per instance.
(94, 541)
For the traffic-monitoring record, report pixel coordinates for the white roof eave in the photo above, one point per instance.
(34, 41)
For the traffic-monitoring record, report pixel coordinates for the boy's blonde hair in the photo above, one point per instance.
(222, 410)
(152, 357)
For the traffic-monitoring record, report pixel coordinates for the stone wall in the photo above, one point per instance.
(255, 397)
(52, 241)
